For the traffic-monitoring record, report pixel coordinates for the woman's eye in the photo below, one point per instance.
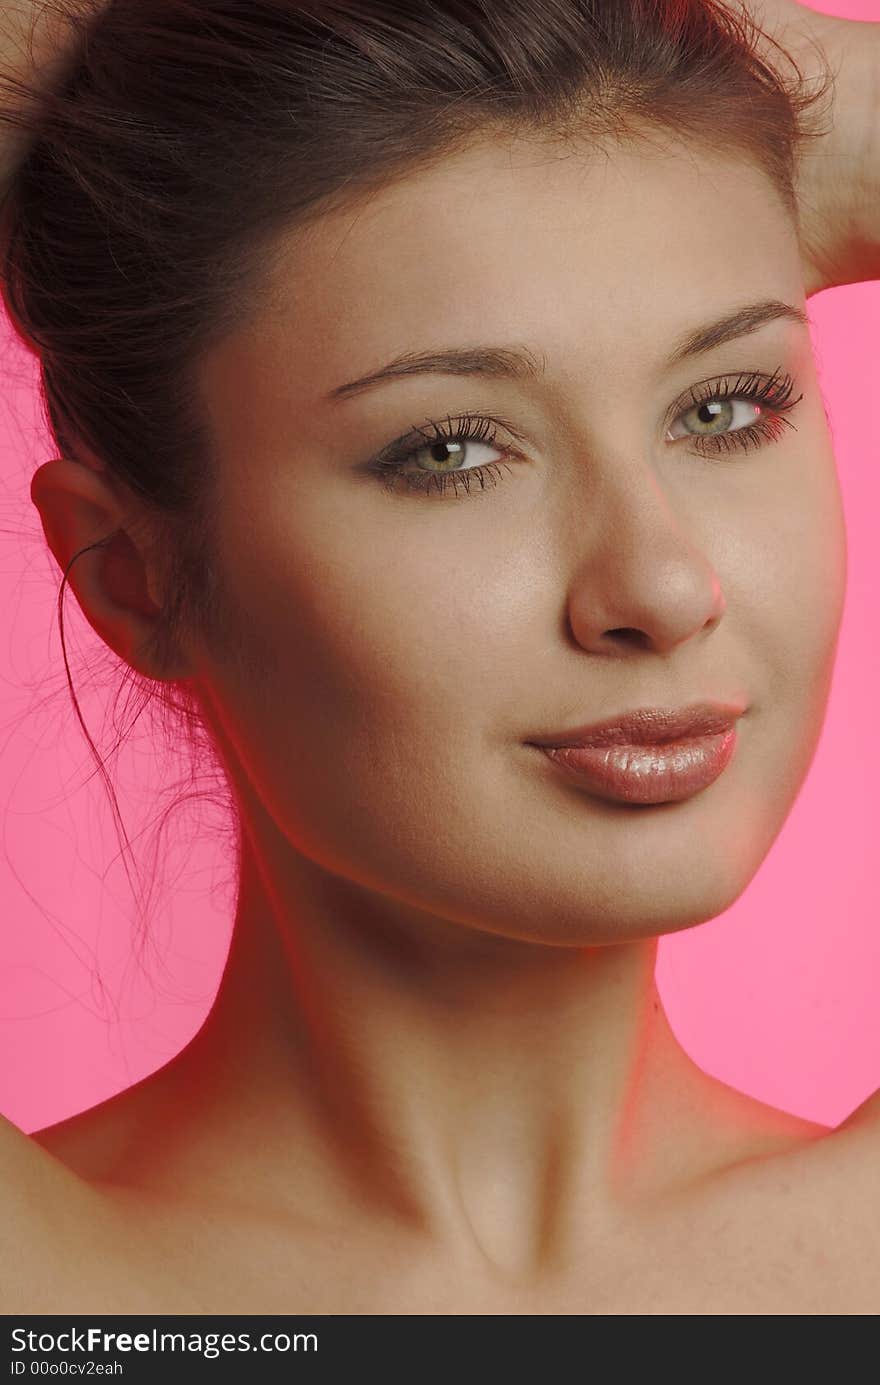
(718, 416)
(453, 455)
(441, 457)
(729, 416)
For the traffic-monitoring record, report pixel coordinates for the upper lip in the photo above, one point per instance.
(650, 725)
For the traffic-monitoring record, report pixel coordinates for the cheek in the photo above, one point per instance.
(408, 625)
(379, 687)
(372, 667)
(792, 573)
(806, 585)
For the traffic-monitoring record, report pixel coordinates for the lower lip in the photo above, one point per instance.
(647, 773)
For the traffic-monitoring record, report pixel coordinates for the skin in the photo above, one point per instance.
(838, 174)
(438, 1033)
(838, 182)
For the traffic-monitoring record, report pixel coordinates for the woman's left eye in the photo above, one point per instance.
(724, 415)
(718, 417)
(740, 414)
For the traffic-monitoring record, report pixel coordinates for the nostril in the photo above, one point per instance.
(637, 637)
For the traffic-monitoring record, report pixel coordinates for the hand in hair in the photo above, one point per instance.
(838, 184)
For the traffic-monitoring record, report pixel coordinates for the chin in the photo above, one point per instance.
(592, 910)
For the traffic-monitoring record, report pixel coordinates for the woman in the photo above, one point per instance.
(443, 388)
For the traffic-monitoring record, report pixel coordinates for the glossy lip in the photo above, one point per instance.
(656, 773)
(649, 726)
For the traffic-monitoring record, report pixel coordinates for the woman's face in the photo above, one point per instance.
(402, 645)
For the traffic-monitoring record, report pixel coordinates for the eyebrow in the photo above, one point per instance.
(520, 363)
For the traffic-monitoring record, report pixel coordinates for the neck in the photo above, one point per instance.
(501, 1097)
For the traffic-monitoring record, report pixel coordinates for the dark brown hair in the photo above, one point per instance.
(185, 136)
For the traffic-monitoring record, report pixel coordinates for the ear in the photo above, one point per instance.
(116, 591)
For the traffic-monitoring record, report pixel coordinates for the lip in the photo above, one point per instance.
(649, 726)
(653, 755)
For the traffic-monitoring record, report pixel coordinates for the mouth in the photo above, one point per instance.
(652, 755)
(660, 773)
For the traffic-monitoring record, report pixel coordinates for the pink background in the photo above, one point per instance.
(777, 996)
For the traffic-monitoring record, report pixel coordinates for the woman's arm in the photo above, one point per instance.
(839, 182)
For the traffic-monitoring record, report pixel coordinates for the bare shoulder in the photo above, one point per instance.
(100, 1143)
(825, 1190)
(47, 1215)
(93, 1143)
(837, 1166)
(791, 1224)
(866, 1117)
(28, 1175)
(72, 1242)
(858, 1140)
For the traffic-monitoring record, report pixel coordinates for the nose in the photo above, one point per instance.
(646, 582)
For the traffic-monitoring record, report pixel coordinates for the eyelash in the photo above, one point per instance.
(771, 391)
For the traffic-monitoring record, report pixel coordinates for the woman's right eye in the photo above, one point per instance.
(434, 461)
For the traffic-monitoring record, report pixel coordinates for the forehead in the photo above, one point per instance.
(599, 257)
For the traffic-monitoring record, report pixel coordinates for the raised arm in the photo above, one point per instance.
(838, 187)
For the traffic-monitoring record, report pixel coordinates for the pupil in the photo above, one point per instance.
(447, 454)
